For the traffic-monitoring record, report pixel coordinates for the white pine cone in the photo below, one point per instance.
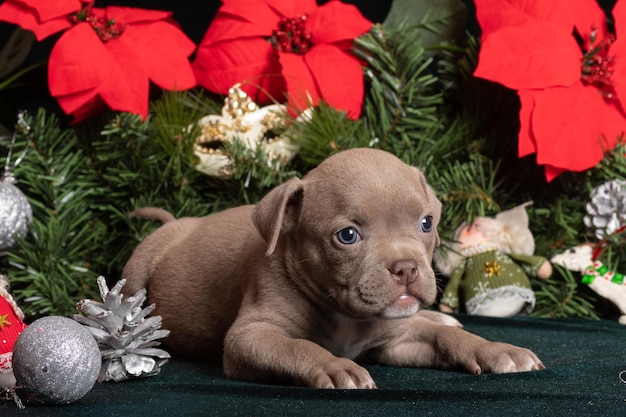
(127, 337)
(606, 210)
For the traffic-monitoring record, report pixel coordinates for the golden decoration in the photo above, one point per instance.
(4, 321)
(492, 268)
(243, 120)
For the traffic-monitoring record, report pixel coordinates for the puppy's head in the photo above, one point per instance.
(359, 232)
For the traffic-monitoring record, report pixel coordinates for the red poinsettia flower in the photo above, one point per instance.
(108, 57)
(275, 47)
(566, 68)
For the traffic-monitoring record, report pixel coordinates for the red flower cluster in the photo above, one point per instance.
(106, 56)
(568, 72)
(278, 47)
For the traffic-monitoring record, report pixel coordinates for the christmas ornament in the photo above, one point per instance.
(606, 209)
(489, 264)
(15, 210)
(55, 361)
(15, 213)
(11, 326)
(242, 120)
(125, 334)
(600, 278)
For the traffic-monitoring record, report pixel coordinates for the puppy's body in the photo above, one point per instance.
(324, 270)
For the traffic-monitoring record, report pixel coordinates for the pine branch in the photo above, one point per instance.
(256, 172)
(325, 132)
(561, 298)
(466, 190)
(403, 99)
(51, 265)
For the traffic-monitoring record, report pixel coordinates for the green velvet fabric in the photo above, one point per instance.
(583, 359)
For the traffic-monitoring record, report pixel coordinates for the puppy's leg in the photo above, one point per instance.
(427, 344)
(263, 352)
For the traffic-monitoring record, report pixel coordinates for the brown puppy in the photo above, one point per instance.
(323, 270)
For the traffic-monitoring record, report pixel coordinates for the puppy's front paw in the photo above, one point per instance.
(340, 373)
(501, 358)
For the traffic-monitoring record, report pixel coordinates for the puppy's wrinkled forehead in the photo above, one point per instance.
(372, 178)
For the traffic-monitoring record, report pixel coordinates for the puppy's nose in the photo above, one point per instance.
(405, 270)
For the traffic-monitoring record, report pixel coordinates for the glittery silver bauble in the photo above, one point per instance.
(56, 361)
(15, 214)
(606, 210)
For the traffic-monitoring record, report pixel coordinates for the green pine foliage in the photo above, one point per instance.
(52, 268)
(403, 103)
(422, 103)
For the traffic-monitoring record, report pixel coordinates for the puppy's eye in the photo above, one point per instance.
(427, 224)
(348, 236)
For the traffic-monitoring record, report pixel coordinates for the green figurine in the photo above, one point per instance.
(489, 264)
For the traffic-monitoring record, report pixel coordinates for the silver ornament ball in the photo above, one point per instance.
(15, 214)
(56, 361)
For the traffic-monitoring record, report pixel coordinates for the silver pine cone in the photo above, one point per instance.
(606, 210)
(127, 337)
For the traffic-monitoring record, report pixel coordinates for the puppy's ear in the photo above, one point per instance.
(278, 211)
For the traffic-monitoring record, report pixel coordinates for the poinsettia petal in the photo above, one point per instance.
(164, 50)
(226, 27)
(255, 18)
(493, 15)
(70, 103)
(78, 62)
(617, 52)
(552, 172)
(526, 142)
(339, 78)
(239, 18)
(301, 87)
(127, 88)
(14, 13)
(290, 8)
(81, 105)
(246, 10)
(520, 58)
(335, 22)
(130, 15)
(46, 9)
(573, 127)
(90, 109)
(619, 69)
(251, 61)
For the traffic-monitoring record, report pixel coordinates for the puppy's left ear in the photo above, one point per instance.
(278, 211)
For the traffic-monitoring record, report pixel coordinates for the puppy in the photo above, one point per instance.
(325, 270)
